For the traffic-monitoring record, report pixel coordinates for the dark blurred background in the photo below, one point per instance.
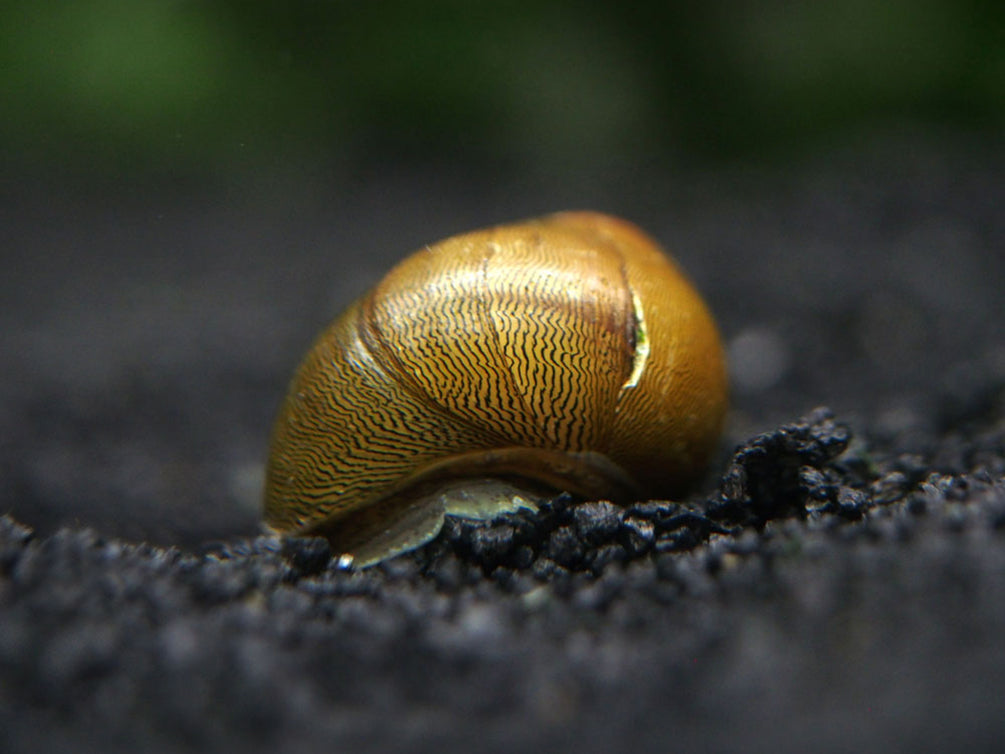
(190, 190)
(106, 85)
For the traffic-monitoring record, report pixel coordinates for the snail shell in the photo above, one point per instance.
(566, 352)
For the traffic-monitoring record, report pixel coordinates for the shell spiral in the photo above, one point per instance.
(568, 350)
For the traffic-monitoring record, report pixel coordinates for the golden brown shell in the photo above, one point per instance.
(566, 350)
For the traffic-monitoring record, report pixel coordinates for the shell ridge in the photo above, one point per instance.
(640, 343)
(633, 310)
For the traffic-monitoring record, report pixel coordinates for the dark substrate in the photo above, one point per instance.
(838, 583)
(823, 600)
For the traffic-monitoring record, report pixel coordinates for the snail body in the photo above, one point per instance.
(564, 353)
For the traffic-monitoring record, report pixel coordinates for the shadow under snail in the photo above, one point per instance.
(565, 353)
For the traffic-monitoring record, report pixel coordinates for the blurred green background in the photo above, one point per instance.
(120, 85)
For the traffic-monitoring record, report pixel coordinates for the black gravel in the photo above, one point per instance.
(837, 584)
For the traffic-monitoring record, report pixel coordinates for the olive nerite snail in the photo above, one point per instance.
(561, 353)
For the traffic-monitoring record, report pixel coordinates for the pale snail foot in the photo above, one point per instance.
(390, 528)
(480, 486)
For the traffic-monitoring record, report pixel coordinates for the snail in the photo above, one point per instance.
(564, 353)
